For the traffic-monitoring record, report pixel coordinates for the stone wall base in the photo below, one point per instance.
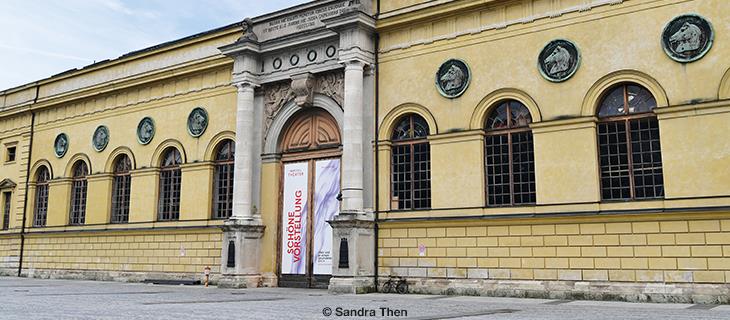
(9, 271)
(240, 281)
(575, 290)
(356, 285)
(120, 276)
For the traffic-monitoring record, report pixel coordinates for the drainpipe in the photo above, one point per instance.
(377, 152)
(27, 181)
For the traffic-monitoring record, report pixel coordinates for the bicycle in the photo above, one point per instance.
(395, 284)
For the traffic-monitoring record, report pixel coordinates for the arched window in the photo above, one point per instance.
(170, 178)
(410, 165)
(629, 150)
(121, 187)
(40, 211)
(509, 156)
(223, 180)
(78, 193)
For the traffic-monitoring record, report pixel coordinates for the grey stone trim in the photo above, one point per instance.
(574, 290)
(120, 276)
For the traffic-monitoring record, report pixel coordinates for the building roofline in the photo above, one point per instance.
(141, 52)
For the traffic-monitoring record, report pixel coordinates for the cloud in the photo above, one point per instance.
(47, 53)
(41, 38)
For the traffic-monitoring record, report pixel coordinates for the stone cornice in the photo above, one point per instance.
(119, 84)
(196, 166)
(436, 13)
(563, 124)
(693, 109)
(135, 55)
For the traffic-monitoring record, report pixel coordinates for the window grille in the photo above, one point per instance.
(121, 189)
(170, 180)
(6, 210)
(509, 156)
(78, 193)
(411, 165)
(223, 180)
(40, 211)
(629, 149)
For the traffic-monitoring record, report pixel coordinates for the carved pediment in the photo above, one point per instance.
(7, 184)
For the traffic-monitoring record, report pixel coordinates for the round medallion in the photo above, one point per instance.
(197, 122)
(145, 130)
(100, 138)
(312, 55)
(452, 78)
(558, 60)
(294, 59)
(276, 63)
(330, 52)
(687, 38)
(60, 145)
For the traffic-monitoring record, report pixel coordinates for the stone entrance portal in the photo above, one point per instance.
(316, 55)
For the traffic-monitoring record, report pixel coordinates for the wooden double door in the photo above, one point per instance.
(310, 189)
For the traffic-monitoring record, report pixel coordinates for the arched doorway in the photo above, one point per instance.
(310, 183)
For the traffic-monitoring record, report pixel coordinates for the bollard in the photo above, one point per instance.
(206, 271)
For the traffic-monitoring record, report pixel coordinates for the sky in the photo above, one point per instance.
(41, 38)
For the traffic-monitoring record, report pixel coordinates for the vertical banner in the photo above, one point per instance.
(326, 207)
(294, 219)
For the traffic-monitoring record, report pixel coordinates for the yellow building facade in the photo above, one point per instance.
(539, 148)
(173, 159)
(558, 229)
(163, 84)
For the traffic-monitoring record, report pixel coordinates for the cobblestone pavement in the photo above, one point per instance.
(22, 298)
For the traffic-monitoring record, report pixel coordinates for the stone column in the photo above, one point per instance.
(240, 251)
(243, 231)
(243, 158)
(352, 155)
(353, 234)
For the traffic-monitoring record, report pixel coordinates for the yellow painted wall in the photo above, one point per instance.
(651, 248)
(503, 62)
(164, 84)
(170, 116)
(270, 191)
(9, 254)
(14, 131)
(674, 239)
(177, 251)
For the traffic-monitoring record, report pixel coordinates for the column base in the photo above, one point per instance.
(240, 281)
(240, 254)
(357, 285)
(353, 246)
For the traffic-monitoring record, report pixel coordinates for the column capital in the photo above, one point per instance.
(354, 64)
(246, 85)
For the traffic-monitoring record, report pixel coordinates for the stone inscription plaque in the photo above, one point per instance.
(306, 19)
